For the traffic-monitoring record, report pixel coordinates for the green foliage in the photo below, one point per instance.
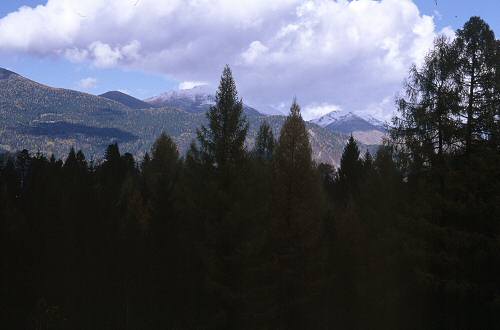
(476, 47)
(51, 120)
(222, 142)
(297, 212)
(350, 172)
(428, 124)
(264, 145)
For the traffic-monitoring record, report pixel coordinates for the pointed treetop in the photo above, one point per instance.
(223, 141)
(164, 152)
(350, 156)
(295, 108)
(80, 156)
(71, 159)
(227, 87)
(112, 153)
(368, 157)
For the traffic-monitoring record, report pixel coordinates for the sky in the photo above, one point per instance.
(330, 54)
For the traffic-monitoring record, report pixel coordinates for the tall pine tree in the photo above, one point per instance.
(223, 141)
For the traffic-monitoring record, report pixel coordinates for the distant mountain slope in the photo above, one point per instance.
(5, 74)
(367, 130)
(126, 100)
(26, 105)
(327, 146)
(51, 120)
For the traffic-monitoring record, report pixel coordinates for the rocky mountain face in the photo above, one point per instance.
(365, 129)
(51, 120)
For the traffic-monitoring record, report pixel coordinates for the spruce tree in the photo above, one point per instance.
(350, 171)
(161, 176)
(71, 160)
(161, 171)
(222, 158)
(222, 142)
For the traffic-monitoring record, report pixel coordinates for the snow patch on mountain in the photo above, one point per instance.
(202, 94)
(344, 116)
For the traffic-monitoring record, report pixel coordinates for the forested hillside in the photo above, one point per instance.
(230, 237)
(52, 120)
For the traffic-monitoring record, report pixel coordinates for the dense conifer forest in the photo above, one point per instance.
(230, 238)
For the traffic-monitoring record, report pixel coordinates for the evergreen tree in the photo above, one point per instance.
(367, 161)
(71, 158)
(350, 172)
(23, 162)
(112, 154)
(222, 142)
(264, 145)
(161, 174)
(297, 213)
(476, 48)
(426, 124)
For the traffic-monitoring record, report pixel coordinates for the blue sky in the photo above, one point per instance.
(59, 72)
(156, 45)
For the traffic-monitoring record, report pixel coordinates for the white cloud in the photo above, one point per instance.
(349, 53)
(315, 110)
(254, 52)
(76, 55)
(191, 84)
(104, 56)
(87, 83)
(380, 110)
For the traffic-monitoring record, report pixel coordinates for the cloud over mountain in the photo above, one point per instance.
(347, 54)
(87, 83)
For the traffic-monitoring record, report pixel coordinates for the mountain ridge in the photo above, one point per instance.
(51, 120)
(126, 100)
(365, 128)
(195, 100)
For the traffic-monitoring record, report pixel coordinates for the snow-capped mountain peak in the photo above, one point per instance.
(333, 117)
(373, 120)
(202, 94)
(342, 116)
(194, 100)
(364, 127)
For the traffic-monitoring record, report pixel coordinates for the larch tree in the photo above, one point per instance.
(476, 47)
(296, 220)
(426, 125)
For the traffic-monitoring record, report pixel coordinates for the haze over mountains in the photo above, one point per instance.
(51, 120)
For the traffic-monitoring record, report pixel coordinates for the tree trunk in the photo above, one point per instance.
(470, 109)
